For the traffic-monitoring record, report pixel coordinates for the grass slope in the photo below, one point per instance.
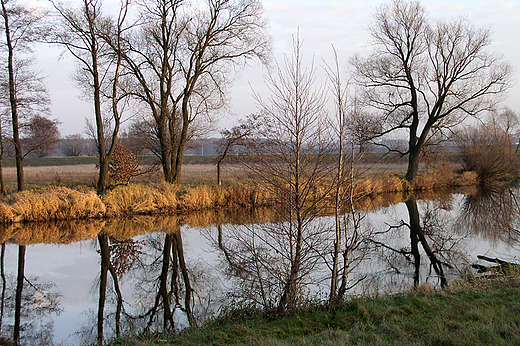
(485, 315)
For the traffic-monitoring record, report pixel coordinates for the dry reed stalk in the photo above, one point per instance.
(198, 198)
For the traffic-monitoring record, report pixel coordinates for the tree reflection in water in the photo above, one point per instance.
(28, 304)
(430, 237)
(168, 291)
(492, 213)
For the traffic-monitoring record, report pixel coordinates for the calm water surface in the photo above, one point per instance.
(88, 281)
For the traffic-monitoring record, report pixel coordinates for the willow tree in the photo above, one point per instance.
(426, 76)
(182, 60)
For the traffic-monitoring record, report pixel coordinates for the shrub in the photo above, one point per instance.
(488, 151)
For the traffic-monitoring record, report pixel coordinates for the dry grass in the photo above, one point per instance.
(235, 195)
(443, 177)
(51, 203)
(140, 199)
(59, 203)
(86, 174)
(67, 175)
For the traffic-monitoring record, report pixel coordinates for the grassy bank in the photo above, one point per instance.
(482, 312)
(63, 203)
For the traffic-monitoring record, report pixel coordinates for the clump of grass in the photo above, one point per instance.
(467, 178)
(236, 195)
(442, 177)
(140, 199)
(200, 198)
(377, 184)
(50, 203)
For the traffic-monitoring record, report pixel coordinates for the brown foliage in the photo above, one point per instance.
(123, 165)
(54, 203)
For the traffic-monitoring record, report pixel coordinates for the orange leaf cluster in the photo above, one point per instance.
(123, 165)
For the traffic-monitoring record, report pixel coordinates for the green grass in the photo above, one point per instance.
(488, 314)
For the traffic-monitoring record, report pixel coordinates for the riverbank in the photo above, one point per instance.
(56, 202)
(483, 311)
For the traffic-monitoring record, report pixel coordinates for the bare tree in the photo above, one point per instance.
(41, 136)
(488, 150)
(22, 28)
(291, 159)
(182, 59)
(350, 133)
(91, 37)
(235, 137)
(424, 77)
(73, 145)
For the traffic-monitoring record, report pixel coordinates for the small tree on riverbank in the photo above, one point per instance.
(290, 158)
(24, 90)
(236, 137)
(90, 37)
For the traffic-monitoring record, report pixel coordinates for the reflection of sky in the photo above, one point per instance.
(74, 268)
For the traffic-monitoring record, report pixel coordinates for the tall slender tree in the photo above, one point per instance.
(22, 28)
(89, 36)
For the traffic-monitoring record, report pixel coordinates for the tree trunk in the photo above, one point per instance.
(13, 102)
(18, 299)
(4, 286)
(2, 150)
(103, 246)
(184, 270)
(179, 155)
(417, 236)
(413, 163)
(163, 288)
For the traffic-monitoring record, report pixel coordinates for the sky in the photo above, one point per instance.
(321, 24)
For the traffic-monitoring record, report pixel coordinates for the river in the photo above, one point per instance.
(86, 281)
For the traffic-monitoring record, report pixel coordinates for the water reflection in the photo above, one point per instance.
(159, 274)
(491, 213)
(28, 301)
(432, 254)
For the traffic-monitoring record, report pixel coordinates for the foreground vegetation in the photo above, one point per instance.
(483, 311)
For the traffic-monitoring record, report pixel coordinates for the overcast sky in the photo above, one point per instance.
(321, 23)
